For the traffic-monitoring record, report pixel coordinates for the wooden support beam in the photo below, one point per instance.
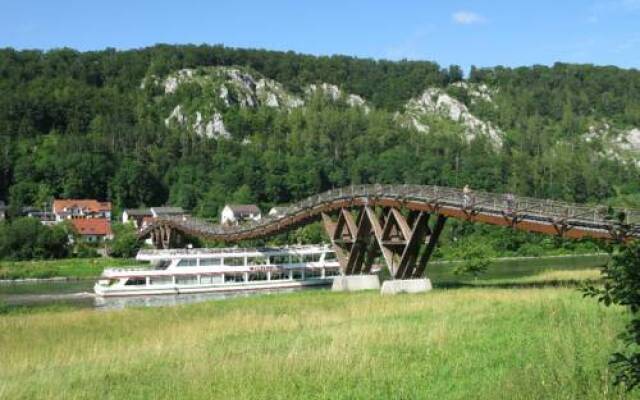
(330, 228)
(407, 264)
(359, 247)
(387, 254)
(431, 245)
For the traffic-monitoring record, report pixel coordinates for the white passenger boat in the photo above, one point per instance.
(219, 270)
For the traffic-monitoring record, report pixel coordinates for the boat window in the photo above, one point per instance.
(280, 259)
(296, 259)
(187, 280)
(161, 280)
(258, 276)
(279, 275)
(332, 272)
(206, 262)
(297, 274)
(313, 273)
(231, 261)
(234, 277)
(188, 262)
(330, 256)
(161, 264)
(311, 258)
(207, 279)
(257, 261)
(136, 281)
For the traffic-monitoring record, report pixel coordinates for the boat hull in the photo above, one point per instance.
(211, 288)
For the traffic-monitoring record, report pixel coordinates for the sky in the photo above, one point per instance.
(481, 33)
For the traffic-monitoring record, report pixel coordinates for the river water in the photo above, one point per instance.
(79, 294)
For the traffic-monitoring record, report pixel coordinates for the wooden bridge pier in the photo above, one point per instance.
(405, 243)
(163, 236)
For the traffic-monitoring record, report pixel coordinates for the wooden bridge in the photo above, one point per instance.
(402, 223)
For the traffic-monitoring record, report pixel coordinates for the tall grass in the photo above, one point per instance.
(447, 344)
(68, 267)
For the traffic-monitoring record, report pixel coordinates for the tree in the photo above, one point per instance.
(27, 238)
(476, 261)
(622, 287)
(125, 243)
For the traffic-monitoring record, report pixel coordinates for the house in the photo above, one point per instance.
(159, 212)
(233, 214)
(3, 210)
(278, 211)
(80, 208)
(137, 215)
(45, 217)
(93, 229)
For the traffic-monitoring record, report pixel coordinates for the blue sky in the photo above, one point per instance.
(483, 33)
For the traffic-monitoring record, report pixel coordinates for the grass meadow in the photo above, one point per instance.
(456, 343)
(78, 268)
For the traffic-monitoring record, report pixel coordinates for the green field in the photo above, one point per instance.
(69, 268)
(485, 343)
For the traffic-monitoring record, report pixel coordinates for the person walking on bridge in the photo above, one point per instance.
(466, 196)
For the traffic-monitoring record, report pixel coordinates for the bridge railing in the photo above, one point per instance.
(501, 204)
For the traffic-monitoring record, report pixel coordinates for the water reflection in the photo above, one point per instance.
(80, 294)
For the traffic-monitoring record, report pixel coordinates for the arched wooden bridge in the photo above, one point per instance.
(393, 221)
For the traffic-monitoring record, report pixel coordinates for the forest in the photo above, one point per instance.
(78, 125)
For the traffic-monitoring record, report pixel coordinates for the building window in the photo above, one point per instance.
(136, 281)
(209, 279)
(279, 275)
(313, 273)
(258, 276)
(161, 280)
(279, 259)
(234, 277)
(257, 261)
(187, 280)
(207, 262)
(311, 258)
(188, 262)
(330, 256)
(234, 261)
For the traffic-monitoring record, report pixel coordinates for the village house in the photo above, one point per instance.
(233, 214)
(160, 212)
(74, 208)
(138, 216)
(278, 211)
(45, 217)
(141, 217)
(93, 230)
(91, 219)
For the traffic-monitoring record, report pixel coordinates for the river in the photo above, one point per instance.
(79, 294)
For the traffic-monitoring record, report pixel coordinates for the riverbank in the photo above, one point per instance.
(446, 344)
(439, 271)
(68, 268)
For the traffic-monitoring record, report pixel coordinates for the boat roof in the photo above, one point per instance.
(154, 254)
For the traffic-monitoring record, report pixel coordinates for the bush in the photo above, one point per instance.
(476, 260)
(125, 243)
(27, 238)
(622, 286)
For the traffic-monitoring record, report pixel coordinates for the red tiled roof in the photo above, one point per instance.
(92, 226)
(88, 204)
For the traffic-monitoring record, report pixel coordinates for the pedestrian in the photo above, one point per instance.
(466, 196)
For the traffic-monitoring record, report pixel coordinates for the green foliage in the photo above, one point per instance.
(125, 243)
(476, 261)
(27, 238)
(622, 286)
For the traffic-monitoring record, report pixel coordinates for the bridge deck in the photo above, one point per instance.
(524, 213)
